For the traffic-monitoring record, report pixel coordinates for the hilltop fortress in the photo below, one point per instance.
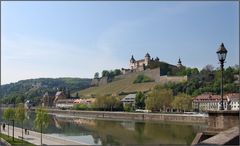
(140, 64)
(143, 66)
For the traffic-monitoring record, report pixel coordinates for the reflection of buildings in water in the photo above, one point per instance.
(27, 115)
(129, 125)
(56, 123)
(58, 119)
(89, 122)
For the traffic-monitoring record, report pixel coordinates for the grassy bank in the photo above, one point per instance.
(16, 141)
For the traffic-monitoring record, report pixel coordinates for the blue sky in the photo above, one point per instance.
(77, 39)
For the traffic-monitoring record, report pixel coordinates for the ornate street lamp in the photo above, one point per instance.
(222, 53)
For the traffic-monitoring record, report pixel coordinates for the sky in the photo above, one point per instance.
(76, 39)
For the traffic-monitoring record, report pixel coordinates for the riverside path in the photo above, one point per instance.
(34, 137)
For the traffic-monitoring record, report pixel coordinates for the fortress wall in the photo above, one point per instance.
(103, 81)
(124, 75)
(166, 79)
(94, 82)
(153, 74)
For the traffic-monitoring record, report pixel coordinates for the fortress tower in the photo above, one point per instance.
(147, 59)
(179, 64)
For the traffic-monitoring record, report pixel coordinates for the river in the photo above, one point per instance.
(117, 132)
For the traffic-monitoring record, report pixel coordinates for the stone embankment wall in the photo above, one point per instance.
(133, 116)
(223, 119)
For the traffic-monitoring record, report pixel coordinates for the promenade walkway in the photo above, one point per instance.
(34, 137)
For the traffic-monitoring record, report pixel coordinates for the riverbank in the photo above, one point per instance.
(34, 137)
(188, 118)
(6, 140)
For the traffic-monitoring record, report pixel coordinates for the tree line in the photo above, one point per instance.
(10, 115)
(108, 73)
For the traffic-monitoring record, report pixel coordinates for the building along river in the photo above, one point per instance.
(105, 131)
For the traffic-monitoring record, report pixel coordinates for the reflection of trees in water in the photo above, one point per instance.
(28, 122)
(70, 126)
(109, 139)
(170, 133)
(96, 138)
(144, 133)
(139, 134)
(56, 123)
(120, 132)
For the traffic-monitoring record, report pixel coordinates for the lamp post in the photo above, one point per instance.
(222, 53)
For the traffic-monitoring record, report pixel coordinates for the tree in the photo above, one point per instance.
(229, 75)
(6, 116)
(140, 100)
(159, 99)
(182, 102)
(9, 115)
(111, 74)
(194, 71)
(105, 73)
(128, 107)
(96, 75)
(208, 68)
(77, 96)
(42, 120)
(20, 115)
(108, 103)
(20, 99)
(142, 79)
(117, 72)
(68, 94)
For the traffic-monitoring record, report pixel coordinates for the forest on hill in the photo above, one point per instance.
(33, 89)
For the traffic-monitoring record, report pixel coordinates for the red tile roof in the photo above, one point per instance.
(210, 96)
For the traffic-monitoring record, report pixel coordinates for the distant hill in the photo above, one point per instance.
(35, 88)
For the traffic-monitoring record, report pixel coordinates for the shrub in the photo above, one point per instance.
(80, 107)
(128, 107)
(142, 79)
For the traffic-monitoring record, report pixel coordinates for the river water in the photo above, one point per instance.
(118, 132)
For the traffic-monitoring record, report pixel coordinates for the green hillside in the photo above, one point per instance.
(120, 84)
(33, 89)
(125, 84)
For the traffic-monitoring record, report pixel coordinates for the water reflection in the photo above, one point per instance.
(116, 132)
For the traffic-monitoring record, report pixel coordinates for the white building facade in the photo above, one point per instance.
(208, 101)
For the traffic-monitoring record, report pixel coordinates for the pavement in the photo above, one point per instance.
(35, 137)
